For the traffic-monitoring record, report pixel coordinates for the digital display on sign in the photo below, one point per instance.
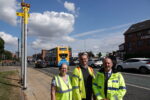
(63, 49)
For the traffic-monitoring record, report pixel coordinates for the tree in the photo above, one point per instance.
(91, 54)
(8, 55)
(1, 45)
(99, 54)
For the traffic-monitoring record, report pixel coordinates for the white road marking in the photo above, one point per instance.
(136, 74)
(138, 86)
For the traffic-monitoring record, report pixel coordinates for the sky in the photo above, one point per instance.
(84, 25)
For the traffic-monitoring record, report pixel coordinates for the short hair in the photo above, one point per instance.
(114, 63)
(62, 65)
(83, 54)
(107, 58)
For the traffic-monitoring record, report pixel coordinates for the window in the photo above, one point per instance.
(130, 36)
(62, 49)
(148, 31)
(148, 42)
(146, 60)
(63, 56)
(139, 34)
(128, 60)
(133, 60)
(142, 25)
(129, 45)
(139, 43)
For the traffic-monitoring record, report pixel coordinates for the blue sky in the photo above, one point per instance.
(91, 25)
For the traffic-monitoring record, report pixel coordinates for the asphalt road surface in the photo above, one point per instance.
(138, 85)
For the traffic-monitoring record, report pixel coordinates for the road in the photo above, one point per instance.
(138, 85)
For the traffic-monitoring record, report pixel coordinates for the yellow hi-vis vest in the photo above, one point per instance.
(78, 83)
(63, 90)
(116, 86)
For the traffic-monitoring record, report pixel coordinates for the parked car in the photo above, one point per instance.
(141, 64)
(95, 63)
(41, 64)
(76, 62)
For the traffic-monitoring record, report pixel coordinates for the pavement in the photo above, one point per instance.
(38, 85)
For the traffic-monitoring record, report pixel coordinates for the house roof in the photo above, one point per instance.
(138, 27)
(121, 44)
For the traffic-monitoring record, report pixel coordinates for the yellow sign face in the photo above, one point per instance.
(19, 14)
(24, 15)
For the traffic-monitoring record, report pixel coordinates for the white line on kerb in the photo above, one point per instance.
(136, 74)
(138, 86)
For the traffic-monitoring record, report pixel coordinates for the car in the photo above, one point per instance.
(76, 62)
(95, 63)
(41, 64)
(140, 64)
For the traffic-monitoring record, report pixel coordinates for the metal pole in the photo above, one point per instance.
(18, 49)
(25, 56)
(22, 49)
(26, 16)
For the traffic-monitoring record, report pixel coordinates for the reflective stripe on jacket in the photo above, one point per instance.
(63, 90)
(78, 83)
(116, 86)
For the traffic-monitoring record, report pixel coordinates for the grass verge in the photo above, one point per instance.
(9, 87)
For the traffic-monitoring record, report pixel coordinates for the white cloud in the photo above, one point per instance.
(51, 24)
(42, 44)
(104, 44)
(69, 6)
(96, 47)
(50, 27)
(68, 39)
(108, 42)
(101, 30)
(9, 39)
(8, 11)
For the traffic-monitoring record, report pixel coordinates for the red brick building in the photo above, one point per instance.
(137, 40)
(43, 54)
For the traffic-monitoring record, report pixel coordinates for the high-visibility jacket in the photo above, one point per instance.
(78, 83)
(116, 87)
(63, 90)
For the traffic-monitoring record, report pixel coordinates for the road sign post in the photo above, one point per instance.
(25, 16)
